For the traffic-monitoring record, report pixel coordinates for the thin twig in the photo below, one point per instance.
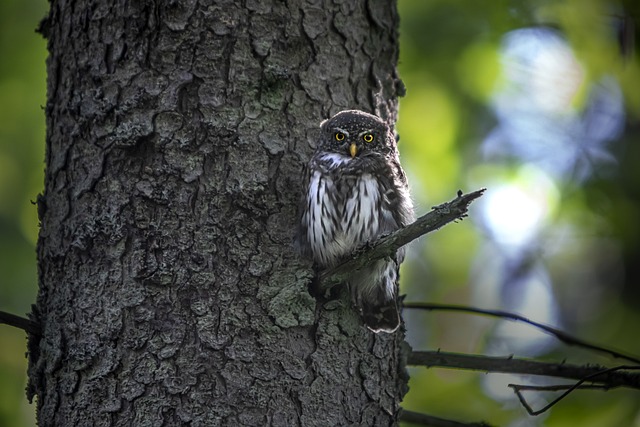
(559, 387)
(511, 365)
(388, 245)
(23, 323)
(560, 335)
(518, 389)
(429, 420)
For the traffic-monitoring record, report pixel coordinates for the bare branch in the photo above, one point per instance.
(417, 418)
(387, 246)
(559, 387)
(518, 389)
(511, 365)
(560, 335)
(25, 324)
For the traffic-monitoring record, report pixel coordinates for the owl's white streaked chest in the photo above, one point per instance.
(344, 212)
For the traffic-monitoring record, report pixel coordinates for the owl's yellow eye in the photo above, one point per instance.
(339, 136)
(368, 137)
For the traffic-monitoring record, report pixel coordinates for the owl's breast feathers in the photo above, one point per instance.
(350, 202)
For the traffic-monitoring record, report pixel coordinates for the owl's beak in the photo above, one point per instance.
(353, 150)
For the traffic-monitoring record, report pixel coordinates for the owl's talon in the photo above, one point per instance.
(333, 305)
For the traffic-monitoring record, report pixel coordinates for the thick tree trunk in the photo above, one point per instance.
(169, 291)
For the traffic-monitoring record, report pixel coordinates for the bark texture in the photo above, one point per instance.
(169, 290)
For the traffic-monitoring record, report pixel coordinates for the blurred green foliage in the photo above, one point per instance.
(450, 64)
(22, 131)
(589, 246)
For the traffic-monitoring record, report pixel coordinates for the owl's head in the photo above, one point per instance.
(356, 133)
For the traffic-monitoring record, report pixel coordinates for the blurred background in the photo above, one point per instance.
(539, 101)
(22, 133)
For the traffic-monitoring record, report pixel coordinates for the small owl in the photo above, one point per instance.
(355, 190)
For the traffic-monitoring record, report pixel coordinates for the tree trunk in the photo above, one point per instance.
(169, 290)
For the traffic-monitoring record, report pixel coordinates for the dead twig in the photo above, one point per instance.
(23, 323)
(560, 335)
(518, 389)
(388, 245)
(512, 365)
(418, 418)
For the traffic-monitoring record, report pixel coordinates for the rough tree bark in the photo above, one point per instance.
(169, 292)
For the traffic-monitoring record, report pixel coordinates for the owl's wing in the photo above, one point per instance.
(397, 199)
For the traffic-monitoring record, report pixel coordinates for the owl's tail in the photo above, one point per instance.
(374, 292)
(382, 317)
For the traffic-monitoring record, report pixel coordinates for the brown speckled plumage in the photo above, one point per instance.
(356, 191)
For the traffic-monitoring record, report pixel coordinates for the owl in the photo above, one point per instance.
(355, 191)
